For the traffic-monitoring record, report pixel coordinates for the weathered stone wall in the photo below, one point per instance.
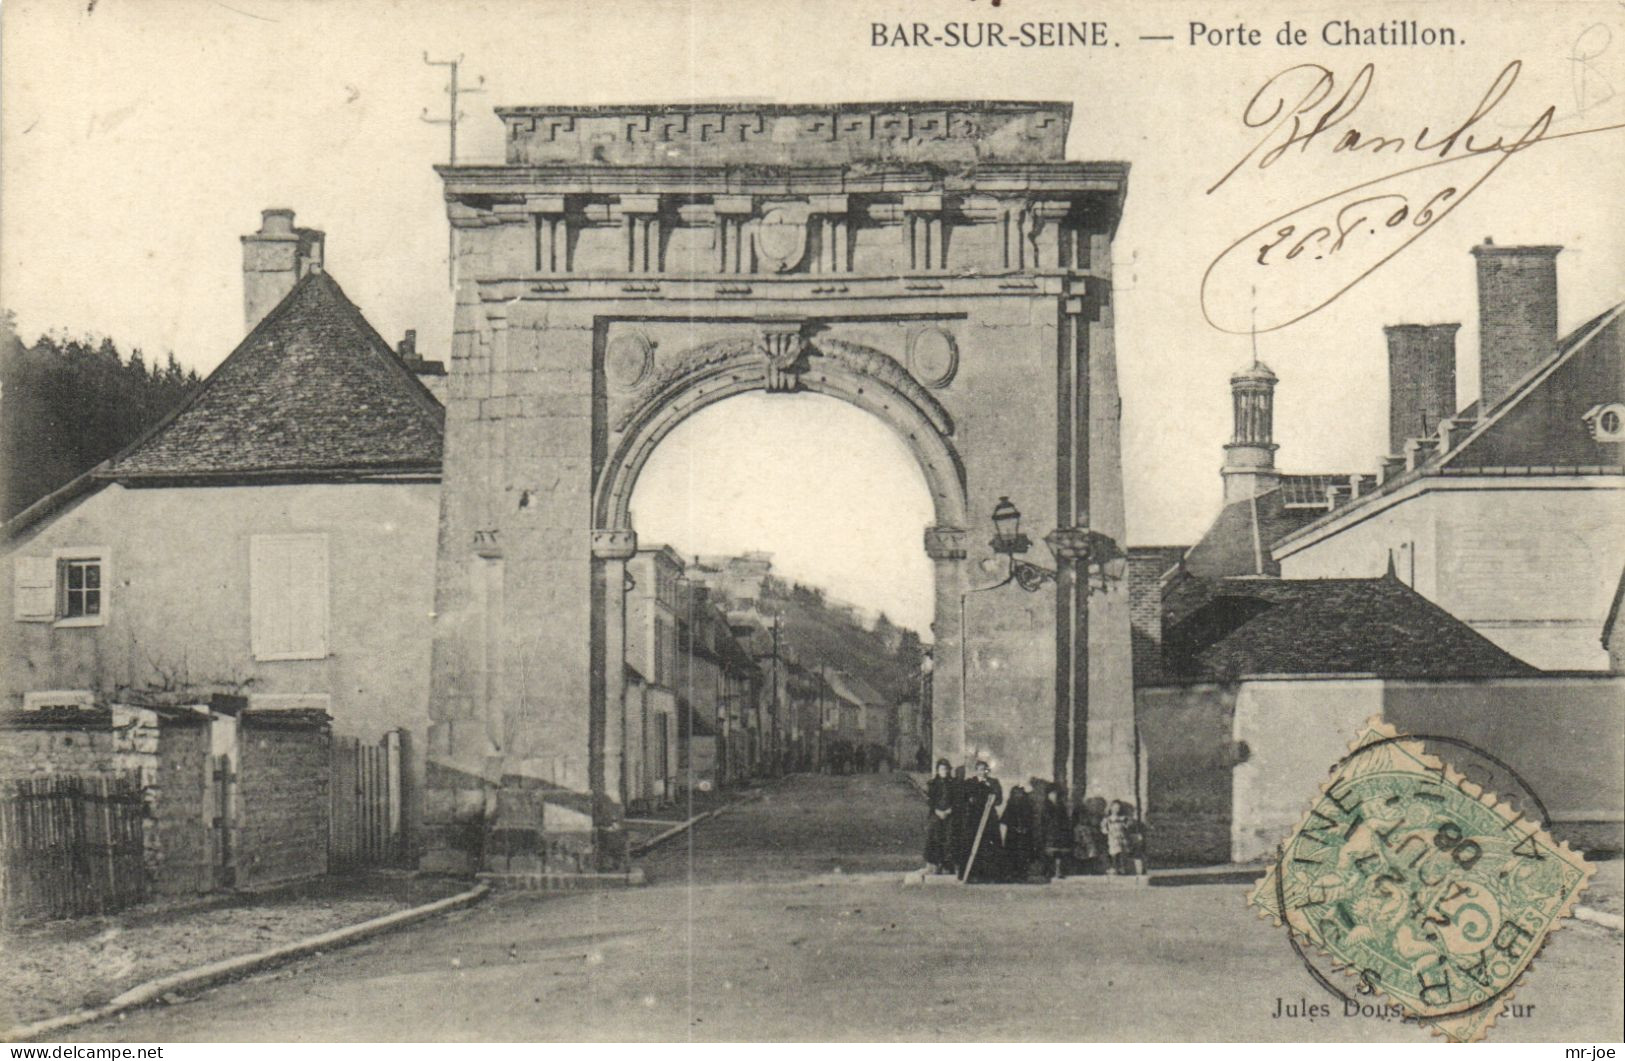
(284, 771)
(181, 845)
(43, 747)
(1186, 734)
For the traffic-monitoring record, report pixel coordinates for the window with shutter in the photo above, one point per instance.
(288, 596)
(33, 589)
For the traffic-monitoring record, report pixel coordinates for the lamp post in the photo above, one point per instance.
(1098, 558)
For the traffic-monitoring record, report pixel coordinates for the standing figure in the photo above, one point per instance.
(982, 796)
(941, 806)
(1088, 842)
(1018, 835)
(1055, 829)
(1119, 828)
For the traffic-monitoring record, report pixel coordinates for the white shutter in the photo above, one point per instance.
(33, 589)
(288, 596)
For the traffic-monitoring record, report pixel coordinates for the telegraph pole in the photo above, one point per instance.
(454, 94)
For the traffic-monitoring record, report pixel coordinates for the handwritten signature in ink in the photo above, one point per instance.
(1300, 262)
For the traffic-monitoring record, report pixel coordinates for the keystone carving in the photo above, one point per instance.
(782, 345)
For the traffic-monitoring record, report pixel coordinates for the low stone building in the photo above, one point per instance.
(1266, 680)
(275, 536)
(230, 796)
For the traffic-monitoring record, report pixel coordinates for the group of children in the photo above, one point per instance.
(967, 834)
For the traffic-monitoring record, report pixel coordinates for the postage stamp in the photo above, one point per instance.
(1420, 885)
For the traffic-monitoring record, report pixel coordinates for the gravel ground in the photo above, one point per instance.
(748, 933)
(56, 967)
(1606, 887)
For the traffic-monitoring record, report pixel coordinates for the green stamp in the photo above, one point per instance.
(1420, 885)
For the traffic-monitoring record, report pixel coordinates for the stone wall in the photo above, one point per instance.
(1190, 754)
(180, 830)
(168, 751)
(57, 741)
(283, 777)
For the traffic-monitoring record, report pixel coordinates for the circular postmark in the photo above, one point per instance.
(1420, 882)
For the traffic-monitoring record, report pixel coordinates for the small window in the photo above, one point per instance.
(70, 587)
(81, 588)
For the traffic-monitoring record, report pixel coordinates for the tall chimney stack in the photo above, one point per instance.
(274, 259)
(1421, 380)
(1517, 315)
(1249, 456)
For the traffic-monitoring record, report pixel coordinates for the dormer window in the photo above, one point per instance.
(1606, 422)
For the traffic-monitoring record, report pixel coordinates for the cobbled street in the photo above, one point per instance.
(747, 931)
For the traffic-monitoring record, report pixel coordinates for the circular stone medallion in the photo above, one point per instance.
(627, 360)
(933, 357)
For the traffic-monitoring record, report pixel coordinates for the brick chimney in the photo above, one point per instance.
(274, 259)
(1517, 315)
(1421, 380)
(432, 374)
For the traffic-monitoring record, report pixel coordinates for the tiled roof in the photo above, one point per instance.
(1238, 542)
(1367, 626)
(313, 389)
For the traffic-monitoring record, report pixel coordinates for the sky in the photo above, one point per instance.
(141, 138)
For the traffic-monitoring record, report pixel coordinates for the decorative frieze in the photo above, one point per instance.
(685, 135)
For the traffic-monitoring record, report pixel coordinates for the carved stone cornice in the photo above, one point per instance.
(685, 134)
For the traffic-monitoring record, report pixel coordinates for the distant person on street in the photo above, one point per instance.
(1119, 827)
(941, 805)
(982, 796)
(1018, 835)
(1055, 831)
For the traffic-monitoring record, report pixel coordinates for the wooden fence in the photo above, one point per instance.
(70, 846)
(365, 827)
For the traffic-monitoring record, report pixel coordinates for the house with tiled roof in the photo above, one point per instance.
(273, 538)
(1463, 592)
(1507, 512)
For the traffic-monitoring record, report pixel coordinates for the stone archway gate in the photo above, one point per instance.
(940, 265)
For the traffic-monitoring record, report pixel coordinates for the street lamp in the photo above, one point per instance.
(1010, 542)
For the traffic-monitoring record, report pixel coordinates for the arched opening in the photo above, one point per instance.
(823, 486)
(784, 583)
